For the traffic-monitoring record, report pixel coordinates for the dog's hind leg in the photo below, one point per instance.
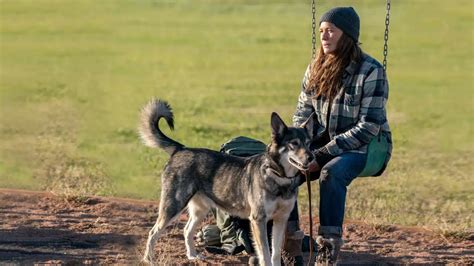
(153, 236)
(170, 209)
(259, 231)
(198, 209)
(161, 223)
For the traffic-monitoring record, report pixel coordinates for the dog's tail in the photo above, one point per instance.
(149, 129)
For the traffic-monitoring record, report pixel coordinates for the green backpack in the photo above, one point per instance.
(243, 146)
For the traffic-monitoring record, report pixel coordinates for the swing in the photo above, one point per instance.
(377, 150)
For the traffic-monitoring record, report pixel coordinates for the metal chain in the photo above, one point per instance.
(311, 248)
(385, 46)
(313, 10)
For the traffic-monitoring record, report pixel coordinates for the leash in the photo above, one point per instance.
(308, 183)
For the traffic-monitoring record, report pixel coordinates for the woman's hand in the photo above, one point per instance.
(312, 172)
(314, 167)
(322, 156)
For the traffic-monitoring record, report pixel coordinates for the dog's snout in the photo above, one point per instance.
(310, 156)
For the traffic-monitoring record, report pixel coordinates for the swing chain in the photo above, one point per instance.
(313, 9)
(385, 46)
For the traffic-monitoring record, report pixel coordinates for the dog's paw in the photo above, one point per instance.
(196, 257)
(147, 261)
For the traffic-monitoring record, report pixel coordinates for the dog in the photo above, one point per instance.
(260, 188)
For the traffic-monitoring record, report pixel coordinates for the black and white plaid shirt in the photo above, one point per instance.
(358, 111)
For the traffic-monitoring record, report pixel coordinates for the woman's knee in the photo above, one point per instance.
(334, 175)
(343, 169)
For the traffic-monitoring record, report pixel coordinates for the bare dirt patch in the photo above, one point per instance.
(38, 227)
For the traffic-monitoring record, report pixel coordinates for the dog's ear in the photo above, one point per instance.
(309, 125)
(278, 127)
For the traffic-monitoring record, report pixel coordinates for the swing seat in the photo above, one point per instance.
(377, 153)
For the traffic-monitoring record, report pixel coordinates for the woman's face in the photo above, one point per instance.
(330, 35)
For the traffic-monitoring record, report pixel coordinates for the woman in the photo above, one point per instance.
(347, 90)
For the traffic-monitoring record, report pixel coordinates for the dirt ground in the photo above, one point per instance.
(40, 228)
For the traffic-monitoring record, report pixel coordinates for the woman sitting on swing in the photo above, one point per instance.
(347, 90)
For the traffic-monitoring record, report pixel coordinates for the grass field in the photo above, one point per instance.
(74, 75)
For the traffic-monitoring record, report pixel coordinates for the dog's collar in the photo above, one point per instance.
(276, 169)
(278, 184)
(273, 166)
(277, 173)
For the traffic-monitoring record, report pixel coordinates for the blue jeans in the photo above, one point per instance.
(334, 178)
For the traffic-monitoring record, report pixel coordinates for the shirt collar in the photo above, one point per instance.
(351, 68)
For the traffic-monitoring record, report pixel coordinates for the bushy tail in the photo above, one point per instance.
(149, 130)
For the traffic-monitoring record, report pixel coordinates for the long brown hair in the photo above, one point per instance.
(326, 71)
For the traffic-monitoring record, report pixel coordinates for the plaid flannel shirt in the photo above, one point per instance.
(358, 111)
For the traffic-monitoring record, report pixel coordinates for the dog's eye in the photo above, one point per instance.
(294, 144)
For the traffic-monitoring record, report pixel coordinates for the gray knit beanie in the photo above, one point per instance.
(345, 18)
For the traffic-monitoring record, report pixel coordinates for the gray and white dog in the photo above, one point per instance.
(260, 188)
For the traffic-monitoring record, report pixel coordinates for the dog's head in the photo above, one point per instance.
(290, 145)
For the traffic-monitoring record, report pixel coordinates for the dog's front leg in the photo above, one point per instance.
(259, 230)
(278, 233)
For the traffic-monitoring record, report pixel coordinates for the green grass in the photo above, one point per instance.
(74, 75)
